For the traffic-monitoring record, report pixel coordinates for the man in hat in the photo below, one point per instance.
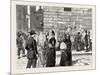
(31, 48)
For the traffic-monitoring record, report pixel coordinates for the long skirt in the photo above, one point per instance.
(50, 58)
(43, 60)
(66, 59)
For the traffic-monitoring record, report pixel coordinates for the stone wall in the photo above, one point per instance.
(59, 18)
(54, 18)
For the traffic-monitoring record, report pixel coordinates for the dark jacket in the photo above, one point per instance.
(19, 42)
(31, 48)
(86, 40)
(77, 42)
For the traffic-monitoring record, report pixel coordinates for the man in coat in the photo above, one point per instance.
(19, 42)
(78, 41)
(31, 48)
(86, 41)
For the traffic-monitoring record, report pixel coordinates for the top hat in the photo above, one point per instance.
(32, 32)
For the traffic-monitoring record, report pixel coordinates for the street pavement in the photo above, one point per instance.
(78, 58)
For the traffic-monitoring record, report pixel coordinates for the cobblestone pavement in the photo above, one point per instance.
(78, 59)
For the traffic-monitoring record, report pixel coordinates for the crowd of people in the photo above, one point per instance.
(83, 42)
(47, 44)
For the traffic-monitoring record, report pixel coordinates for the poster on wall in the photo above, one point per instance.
(52, 37)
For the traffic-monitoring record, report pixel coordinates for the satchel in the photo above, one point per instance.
(31, 54)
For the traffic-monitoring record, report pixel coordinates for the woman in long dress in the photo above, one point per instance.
(51, 53)
(66, 55)
(41, 50)
(46, 47)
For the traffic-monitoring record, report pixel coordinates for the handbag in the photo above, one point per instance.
(63, 45)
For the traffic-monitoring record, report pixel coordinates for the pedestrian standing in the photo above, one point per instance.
(41, 49)
(20, 46)
(46, 47)
(78, 41)
(86, 40)
(51, 52)
(89, 41)
(31, 48)
(66, 53)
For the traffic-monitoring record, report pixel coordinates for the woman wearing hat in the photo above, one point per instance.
(66, 54)
(51, 53)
